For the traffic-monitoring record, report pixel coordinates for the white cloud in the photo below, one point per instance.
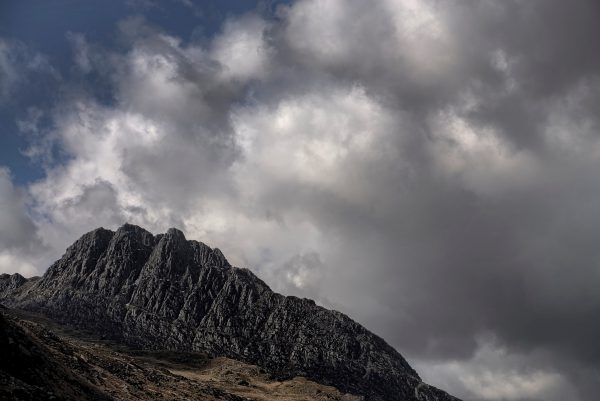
(319, 139)
(11, 263)
(479, 156)
(388, 40)
(15, 225)
(21, 250)
(241, 49)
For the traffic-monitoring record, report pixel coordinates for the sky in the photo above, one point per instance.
(428, 167)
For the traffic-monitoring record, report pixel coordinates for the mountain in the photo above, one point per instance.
(165, 292)
(42, 362)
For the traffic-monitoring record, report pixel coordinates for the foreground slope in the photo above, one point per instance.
(165, 292)
(39, 364)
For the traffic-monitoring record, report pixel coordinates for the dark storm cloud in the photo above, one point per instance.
(518, 262)
(428, 167)
(550, 47)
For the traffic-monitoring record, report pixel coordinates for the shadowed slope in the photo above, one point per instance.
(38, 364)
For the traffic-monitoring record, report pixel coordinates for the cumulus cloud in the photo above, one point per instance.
(241, 49)
(427, 167)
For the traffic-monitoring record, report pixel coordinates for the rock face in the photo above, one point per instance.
(165, 292)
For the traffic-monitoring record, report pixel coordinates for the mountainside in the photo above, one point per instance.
(165, 292)
(39, 364)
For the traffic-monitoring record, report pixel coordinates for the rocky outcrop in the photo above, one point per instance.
(165, 292)
(11, 284)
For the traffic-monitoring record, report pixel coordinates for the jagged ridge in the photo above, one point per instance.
(164, 291)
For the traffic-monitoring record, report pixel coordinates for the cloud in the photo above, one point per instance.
(403, 39)
(427, 167)
(17, 227)
(8, 71)
(81, 51)
(493, 373)
(241, 49)
(19, 243)
(18, 64)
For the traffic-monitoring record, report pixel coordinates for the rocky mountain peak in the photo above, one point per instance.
(166, 292)
(175, 233)
(10, 282)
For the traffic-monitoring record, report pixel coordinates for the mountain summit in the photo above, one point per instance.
(166, 292)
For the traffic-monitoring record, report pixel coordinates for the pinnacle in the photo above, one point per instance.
(175, 232)
(129, 227)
